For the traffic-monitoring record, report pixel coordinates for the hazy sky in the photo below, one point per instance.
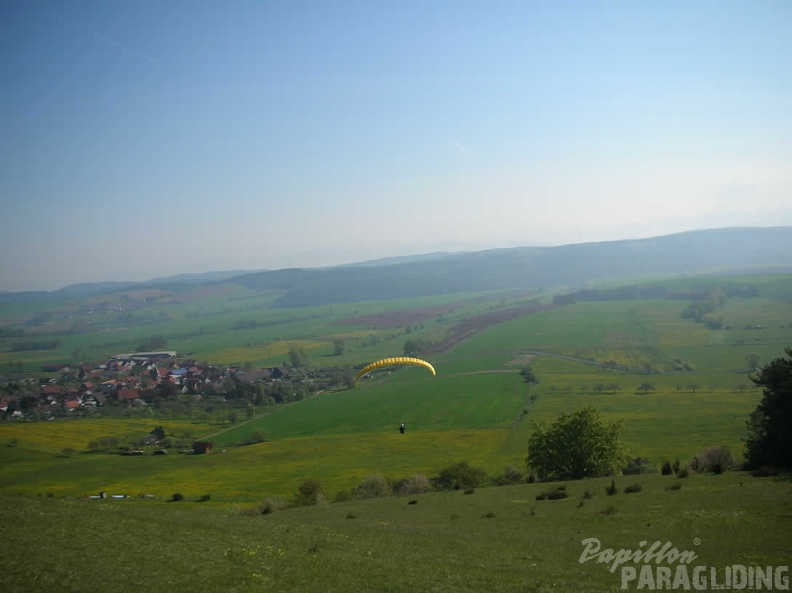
(143, 138)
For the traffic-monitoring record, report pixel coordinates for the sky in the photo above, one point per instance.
(145, 138)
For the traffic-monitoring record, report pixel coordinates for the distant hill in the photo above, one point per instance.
(533, 268)
(89, 289)
(401, 259)
(692, 252)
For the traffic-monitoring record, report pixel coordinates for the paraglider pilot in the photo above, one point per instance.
(402, 428)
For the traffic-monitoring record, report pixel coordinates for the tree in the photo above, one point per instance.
(339, 346)
(578, 445)
(528, 375)
(297, 356)
(769, 440)
(416, 346)
(753, 361)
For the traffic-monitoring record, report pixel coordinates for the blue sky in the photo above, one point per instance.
(146, 138)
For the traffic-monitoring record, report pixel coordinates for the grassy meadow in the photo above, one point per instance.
(678, 387)
(493, 539)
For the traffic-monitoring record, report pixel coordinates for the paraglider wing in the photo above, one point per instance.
(393, 361)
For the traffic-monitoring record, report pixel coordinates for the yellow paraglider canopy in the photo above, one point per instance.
(392, 361)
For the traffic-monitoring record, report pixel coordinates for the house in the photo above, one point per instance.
(127, 394)
(72, 404)
(202, 447)
(51, 390)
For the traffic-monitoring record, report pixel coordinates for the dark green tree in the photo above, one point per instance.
(298, 356)
(528, 375)
(578, 445)
(769, 440)
(339, 346)
(416, 346)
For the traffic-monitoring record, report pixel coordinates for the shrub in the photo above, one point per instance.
(632, 488)
(309, 493)
(374, 486)
(270, 505)
(556, 493)
(675, 486)
(415, 484)
(707, 460)
(176, 497)
(611, 490)
(766, 471)
(351, 515)
(683, 473)
(204, 498)
(666, 470)
(639, 465)
(469, 490)
(460, 475)
(510, 475)
(609, 511)
(343, 496)
(489, 515)
(587, 495)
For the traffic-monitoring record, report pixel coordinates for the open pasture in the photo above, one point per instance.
(496, 539)
(253, 472)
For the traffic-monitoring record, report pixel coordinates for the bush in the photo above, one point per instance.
(510, 475)
(683, 473)
(270, 505)
(713, 459)
(632, 488)
(675, 486)
(374, 486)
(204, 498)
(176, 497)
(766, 471)
(556, 493)
(640, 465)
(611, 490)
(666, 469)
(415, 484)
(460, 475)
(343, 496)
(309, 493)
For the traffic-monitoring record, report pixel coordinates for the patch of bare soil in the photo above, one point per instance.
(522, 360)
(468, 327)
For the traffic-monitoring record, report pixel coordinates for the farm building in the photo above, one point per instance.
(202, 447)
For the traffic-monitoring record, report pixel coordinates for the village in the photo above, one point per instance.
(159, 383)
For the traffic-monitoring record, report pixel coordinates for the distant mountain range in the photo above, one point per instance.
(533, 268)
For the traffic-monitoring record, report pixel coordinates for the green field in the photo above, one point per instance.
(495, 539)
(477, 409)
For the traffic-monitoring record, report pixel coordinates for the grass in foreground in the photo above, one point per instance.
(493, 539)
